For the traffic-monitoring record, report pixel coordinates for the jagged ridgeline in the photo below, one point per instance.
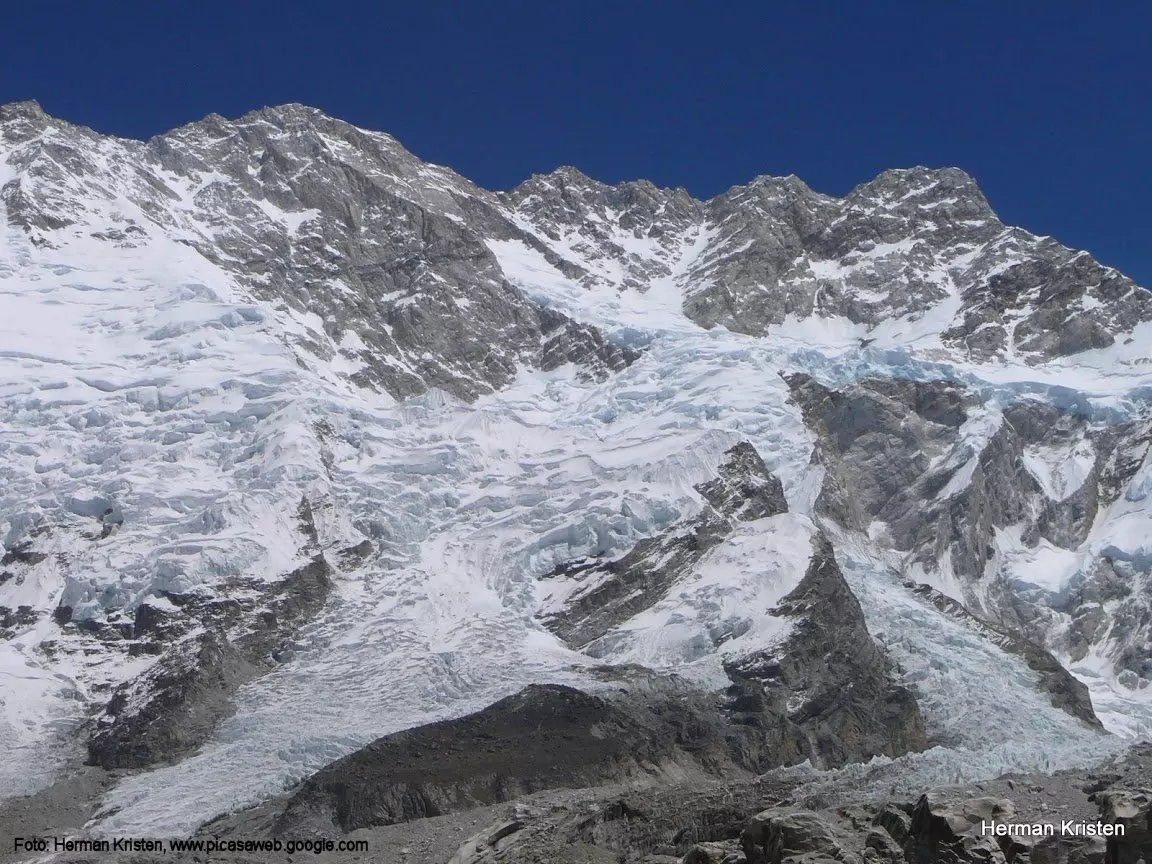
(340, 494)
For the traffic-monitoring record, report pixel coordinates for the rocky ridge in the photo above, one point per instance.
(604, 594)
(959, 486)
(391, 255)
(373, 252)
(772, 818)
(894, 249)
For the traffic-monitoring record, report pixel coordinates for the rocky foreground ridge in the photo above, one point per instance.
(1074, 817)
(1094, 816)
(316, 216)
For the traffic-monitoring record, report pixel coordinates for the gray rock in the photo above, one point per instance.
(777, 836)
(172, 709)
(876, 441)
(715, 853)
(849, 708)
(881, 846)
(544, 737)
(1133, 810)
(744, 490)
(896, 822)
(879, 252)
(947, 829)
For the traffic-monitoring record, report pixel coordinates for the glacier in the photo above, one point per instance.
(454, 631)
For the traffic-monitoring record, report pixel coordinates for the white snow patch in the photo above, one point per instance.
(1061, 469)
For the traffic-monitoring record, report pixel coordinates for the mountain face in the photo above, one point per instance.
(317, 459)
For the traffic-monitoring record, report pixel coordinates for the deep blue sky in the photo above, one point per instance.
(1048, 104)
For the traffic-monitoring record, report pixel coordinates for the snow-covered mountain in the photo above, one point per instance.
(304, 441)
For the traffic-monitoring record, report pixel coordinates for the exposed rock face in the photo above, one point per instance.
(714, 853)
(893, 248)
(545, 737)
(743, 491)
(952, 480)
(1133, 811)
(1055, 323)
(894, 453)
(171, 710)
(826, 693)
(380, 256)
(945, 829)
(949, 825)
(876, 441)
(1004, 491)
(601, 223)
(775, 836)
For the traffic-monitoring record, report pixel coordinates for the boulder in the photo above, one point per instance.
(1131, 809)
(728, 852)
(776, 836)
(947, 829)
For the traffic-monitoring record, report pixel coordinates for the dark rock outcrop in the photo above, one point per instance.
(744, 490)
(174, 708)
(893, 454)
(826, 693)
(1132, 810)
(715, 853)
(876, 440)
(775, 836)
(170, 710)
(948, 830)
(544, 737)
